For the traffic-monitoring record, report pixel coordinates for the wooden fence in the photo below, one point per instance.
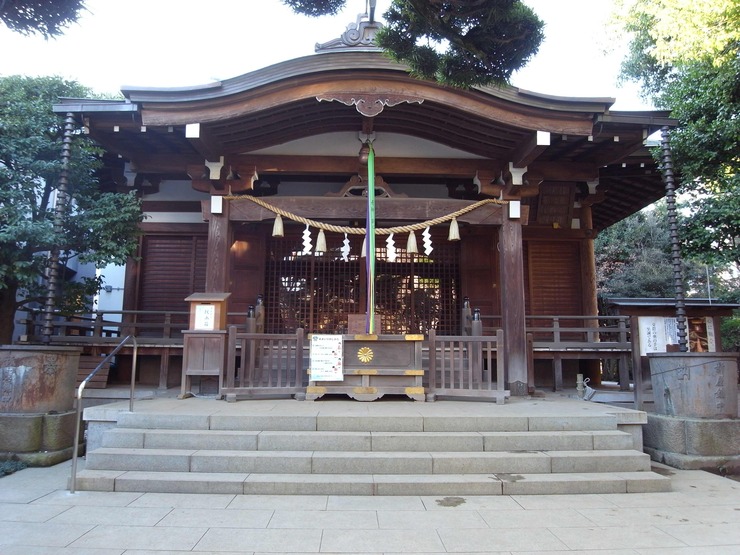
(557, 338)
(260, 364)
(467, 366)
(455, 365)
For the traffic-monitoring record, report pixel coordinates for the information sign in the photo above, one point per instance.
(205, 317)
(326, 358)
(656, 332)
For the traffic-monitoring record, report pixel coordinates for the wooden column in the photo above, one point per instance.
(511, 269)
(588, 265)
(589, 296)
(219, 245)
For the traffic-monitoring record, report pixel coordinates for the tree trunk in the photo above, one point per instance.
(7, 312)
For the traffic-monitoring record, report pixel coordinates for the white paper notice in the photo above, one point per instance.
(205, 317)
(656, 332)
(326, 358)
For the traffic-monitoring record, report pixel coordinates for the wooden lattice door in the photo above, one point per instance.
(318, 291)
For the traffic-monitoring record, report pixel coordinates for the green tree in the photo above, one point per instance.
(706, 100)
(48, 18)
(98, 227)
(633, 257)
(686, 56)
(461, 43)
(484, 41)
(671, 32)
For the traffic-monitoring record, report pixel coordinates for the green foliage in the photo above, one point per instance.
(315, 8)
(98, 227)
(673, 32)
(731, 334)
(705, 97)
(48, 18)
(461, 43)
(633, 259)
(686, 55)
(710, 230)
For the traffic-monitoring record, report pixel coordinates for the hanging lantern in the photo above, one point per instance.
(454, 231)
(411, 243)
(321, 242)
(277, 227)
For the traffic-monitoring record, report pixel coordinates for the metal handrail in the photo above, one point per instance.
(81, 388)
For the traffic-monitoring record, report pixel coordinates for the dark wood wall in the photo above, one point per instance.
(173, 265)
(553, 274)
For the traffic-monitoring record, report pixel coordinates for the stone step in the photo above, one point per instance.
(367, 423)
(363, 484)
(366, 462)
(366, 441)
(341, 451)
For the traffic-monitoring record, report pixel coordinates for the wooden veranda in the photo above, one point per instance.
(469, 364)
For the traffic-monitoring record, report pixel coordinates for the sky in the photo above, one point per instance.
(180, 43)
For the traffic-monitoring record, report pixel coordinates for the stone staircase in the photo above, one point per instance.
(368, 455)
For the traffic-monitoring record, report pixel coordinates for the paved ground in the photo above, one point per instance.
(38, 516)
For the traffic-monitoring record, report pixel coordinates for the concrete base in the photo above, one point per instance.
(37, 439)
(694, 443)
(43, 458)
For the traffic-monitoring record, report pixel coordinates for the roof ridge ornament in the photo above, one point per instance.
(359, 36)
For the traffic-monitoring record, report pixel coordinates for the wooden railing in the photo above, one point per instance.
(558, 338)
(462, 365)
(108, 325)
(467, 366)
(158, 333)
(264, 364)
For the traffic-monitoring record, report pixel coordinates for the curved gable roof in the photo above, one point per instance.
(329, 92)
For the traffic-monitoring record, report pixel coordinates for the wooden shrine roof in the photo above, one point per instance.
(366, 92)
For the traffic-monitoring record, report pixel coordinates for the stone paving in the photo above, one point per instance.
(38, 516)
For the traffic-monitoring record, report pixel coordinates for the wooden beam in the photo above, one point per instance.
(462, 168)
(310, 165)
(204, 141)
(564, 171)
(341, 165)
(355, 209)
(530, 149)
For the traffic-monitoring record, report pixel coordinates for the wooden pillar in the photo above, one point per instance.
(511, 271)
(588, 286)
(588, 264)
(219, 245)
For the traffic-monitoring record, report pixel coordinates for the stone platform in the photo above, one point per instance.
(553, 444)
